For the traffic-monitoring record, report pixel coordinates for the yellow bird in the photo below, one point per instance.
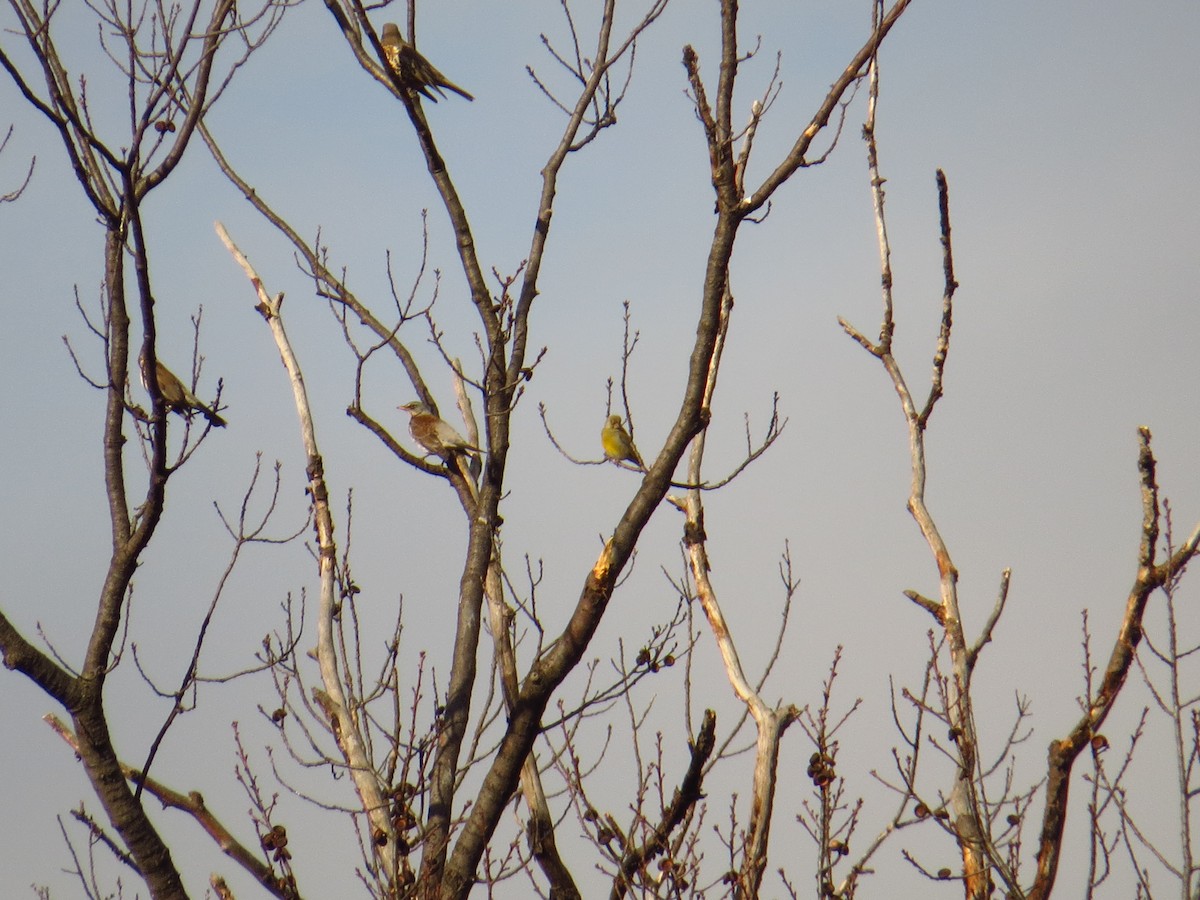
(618, 445)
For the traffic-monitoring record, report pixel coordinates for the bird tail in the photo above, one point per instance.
(469, 466)
(454, 87)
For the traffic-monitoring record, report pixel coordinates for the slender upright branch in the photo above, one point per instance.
(344, 717)
(1062, 753)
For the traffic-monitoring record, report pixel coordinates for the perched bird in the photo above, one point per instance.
(415, 71)
(433, 434)
(176, 395)
(618, 445)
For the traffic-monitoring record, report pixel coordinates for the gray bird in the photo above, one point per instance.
(415, 71)
(176, 395)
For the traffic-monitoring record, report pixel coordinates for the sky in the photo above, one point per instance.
(1066, 133)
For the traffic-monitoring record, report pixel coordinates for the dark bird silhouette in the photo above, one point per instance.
(415, 71)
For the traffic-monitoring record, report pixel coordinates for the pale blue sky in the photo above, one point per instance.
(1067, 132)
